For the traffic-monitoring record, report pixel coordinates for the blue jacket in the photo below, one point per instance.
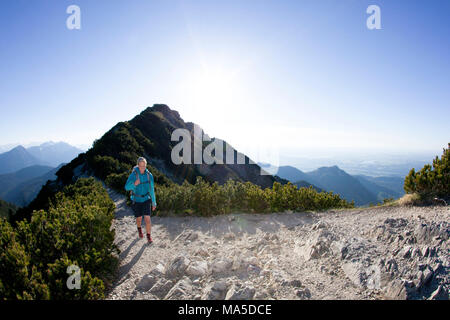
(144, 188)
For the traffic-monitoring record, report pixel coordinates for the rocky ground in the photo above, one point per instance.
(373, 253)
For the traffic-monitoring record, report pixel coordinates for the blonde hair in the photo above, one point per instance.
(141, 159)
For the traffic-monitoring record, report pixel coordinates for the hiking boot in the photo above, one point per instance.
(141, 235)
(149, 238)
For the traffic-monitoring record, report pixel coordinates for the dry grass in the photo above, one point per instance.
(410, 199)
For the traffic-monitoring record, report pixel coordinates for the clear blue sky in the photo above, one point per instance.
(296, 74)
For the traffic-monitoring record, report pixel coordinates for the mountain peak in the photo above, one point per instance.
(331, 169)
(47, 143)
(161, 107)
(164, 109)
(19, 148)
(170, 115)
(148, 134)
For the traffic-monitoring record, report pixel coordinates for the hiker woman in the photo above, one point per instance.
(140, 183)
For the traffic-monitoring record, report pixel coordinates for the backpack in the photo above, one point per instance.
(137, 176)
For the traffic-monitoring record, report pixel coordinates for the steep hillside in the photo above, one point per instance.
(392, 183)
(340, 182)
(22, 191)
(291, 173)
(149, 135)
(7, 209)
(381, 192)
(10, 180)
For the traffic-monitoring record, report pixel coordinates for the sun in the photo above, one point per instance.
(212, 89)
(215, 96)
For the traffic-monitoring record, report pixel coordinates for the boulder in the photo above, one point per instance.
(427, 233)
(418, 282)
(303, 293)
(217, 291)
(425, 251)
(427, 275)
(391, 266)
(158, 270)
(437, 267)
(395, 223)
(150, 279)
(406, 252)
(146, 283)
(317, 245)
(439, 294)
(396, 290)
(353, 248)
(182, 290)
(319, 225)
(295, 283)
(177, 267)
(221, 265)
(237, 292)
(197, 268)
(415, 253)
(161, 287)
(363, 275)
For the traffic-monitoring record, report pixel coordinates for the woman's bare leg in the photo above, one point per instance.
(139, 221)
(148, 224)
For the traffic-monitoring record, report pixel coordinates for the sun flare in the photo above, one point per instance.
(214, 89)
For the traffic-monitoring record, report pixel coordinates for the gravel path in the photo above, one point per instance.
(373, 253)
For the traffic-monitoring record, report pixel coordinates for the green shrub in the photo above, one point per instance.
(431, 181)
(105, 165)
(19, 279)
(90, 287)
(204, 198)
(256, 199)
(117, 181)
(76, 229)
(207, 199)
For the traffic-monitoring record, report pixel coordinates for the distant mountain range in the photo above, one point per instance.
(292, 174)
(16, 159)
(54, 153)
(360, 188)
(23, 171)
(22, 186)
(47, 154)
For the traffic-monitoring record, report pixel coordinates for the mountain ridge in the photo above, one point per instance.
(148, 134)
(46, 154)
(16, 159)
(363, 189)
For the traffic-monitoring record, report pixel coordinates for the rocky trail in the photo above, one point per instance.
(373, 253)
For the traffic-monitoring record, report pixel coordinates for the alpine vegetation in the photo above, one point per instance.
(74, 233)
